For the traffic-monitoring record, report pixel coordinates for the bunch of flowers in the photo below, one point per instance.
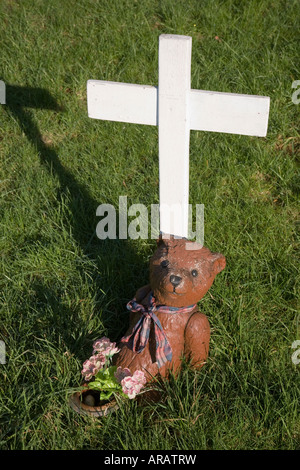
(131, 384)
(103, 350)
(109, 379)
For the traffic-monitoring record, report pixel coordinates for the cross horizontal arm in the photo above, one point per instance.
(208, 110)
(229, 113)
(123, 102)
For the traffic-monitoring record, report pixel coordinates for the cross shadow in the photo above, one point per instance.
(82, 207)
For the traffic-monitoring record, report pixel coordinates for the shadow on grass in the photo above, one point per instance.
(82, 207)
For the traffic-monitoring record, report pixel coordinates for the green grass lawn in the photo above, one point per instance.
(62, 287)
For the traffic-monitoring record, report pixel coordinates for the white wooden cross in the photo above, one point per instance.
(177, 109)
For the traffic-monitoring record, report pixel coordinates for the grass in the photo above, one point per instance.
(61, 287)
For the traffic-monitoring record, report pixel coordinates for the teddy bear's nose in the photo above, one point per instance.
(175, 280)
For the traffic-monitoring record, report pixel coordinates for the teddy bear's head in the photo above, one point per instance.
(181, 273)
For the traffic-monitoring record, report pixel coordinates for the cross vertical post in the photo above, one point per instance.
(174, 132)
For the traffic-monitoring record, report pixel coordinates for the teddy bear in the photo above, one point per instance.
(165, 322)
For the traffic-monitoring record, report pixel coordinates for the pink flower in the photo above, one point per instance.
(92, 365)
(139, 376)
(132, 385)
(103, 350)
(105, 347)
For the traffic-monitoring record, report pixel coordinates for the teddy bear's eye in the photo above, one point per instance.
(164, 263)
(194, 273)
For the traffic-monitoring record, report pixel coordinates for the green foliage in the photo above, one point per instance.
(106, 383)
(61, 288)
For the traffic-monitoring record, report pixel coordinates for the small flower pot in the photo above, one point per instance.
(87, 402)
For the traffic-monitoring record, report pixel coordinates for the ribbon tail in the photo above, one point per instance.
(139, 336)
(163, 347)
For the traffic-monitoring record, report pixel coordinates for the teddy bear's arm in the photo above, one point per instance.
(197, 335)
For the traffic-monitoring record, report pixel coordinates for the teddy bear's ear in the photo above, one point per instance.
(219, 261)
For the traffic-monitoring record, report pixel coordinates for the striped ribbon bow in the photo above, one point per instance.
(139, 336)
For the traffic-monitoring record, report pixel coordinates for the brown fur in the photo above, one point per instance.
(187, 333)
